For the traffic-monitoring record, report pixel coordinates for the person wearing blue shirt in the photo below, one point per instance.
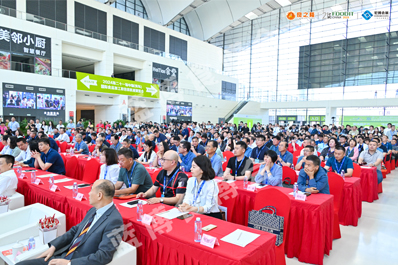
(285, 158)
(80, 146)
(270, 173)
(387, 145)
(48, 160)
(186, 156)
(259, 152)
(160, 137)
(56, 133)
(197, 148)
(115, 143)
(127, 144)
(176, 144)
(13, 125)
(109, 135)
(53, 143)
(216, 161)
(185, 131)
(323, 144)
(313, 178)
(249, 150)
(275, 144)
(308, 150)
(204, 140)
(340, 162)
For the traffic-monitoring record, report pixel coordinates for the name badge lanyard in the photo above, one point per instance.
(200, 189)
(131, 175)
(341, 165)
(259, 152)
(170, 180)
(237, 167)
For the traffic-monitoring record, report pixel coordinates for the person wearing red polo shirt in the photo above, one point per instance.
(100, 125)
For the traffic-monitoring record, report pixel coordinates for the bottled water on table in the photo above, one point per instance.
(343, 174)
(51, 181)
(75, 190)
(198, 230)
(295, 189)
(32, 177)
(245, 182)
(140, 211)
(31, 243)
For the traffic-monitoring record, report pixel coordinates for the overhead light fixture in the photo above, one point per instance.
(251, 15)
(284, 2)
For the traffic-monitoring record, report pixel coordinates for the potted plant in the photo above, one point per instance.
(4, 200)
(48, 229)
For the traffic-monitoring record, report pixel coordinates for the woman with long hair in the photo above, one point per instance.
(202, 191)
(44, 126)
(12, 144)
(149, 155)
(163, 148)
(50, 127)
(110, 168)
(352, 150)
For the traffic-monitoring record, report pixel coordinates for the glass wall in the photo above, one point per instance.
(134, 7)
(180, 26)
(326, 58)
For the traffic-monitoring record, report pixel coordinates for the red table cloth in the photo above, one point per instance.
(167, 241)
(310, 230)
(351, 202)
(369, 184)
(82, 159)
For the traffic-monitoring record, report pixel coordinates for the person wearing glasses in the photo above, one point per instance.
(171, 181)
(109, 169)
(163, 148)
(132, 174)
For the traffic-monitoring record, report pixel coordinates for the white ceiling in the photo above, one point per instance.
(207, 18)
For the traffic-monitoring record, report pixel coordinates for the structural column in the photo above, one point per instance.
(330, 113)
(265, 116)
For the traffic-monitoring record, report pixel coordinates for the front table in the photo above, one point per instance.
(310, 230)
(166, 242)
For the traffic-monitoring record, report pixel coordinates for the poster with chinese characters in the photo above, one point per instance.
(166, 77)
(25, 43)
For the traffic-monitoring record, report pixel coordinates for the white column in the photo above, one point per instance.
(141, 36)
(21, 9)
(56, 57)
(167, 43)
(70, 15)
(109, 26)
(330, 112)
(104, 67)
(265, 116)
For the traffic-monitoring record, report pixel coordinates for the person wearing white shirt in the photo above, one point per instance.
(110, 168)
(8, 178)
(60, 125)
(38, 124)
(25, 151)
(63, 137)
(123, 136)
(6, 148)
(149, 155)
(276, 130)
(202, 191)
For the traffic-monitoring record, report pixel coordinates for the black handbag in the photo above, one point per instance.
(270, 223)
(287, 183)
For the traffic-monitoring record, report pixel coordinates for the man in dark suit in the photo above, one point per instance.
(94, 240)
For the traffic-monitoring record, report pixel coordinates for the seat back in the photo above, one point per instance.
(91, 148)
(274, 197)
(228, 154)
(91, 171)
(70, 138)
(58, 143)
(357, 171)
(227, 197)
(1, 146)
(63, 146)
(71, 167)
(64, 159)
(336, 185)
(224, 165)
(296, 153)
(287, 172)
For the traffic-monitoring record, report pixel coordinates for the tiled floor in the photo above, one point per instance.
(375, 240)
